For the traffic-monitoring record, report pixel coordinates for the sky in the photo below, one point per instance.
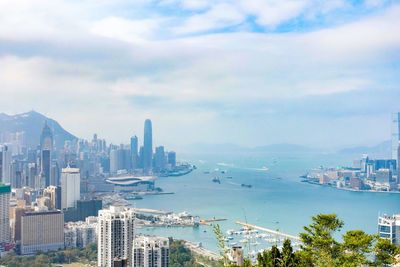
(250, 72)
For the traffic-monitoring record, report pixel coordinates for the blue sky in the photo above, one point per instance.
(251, 72)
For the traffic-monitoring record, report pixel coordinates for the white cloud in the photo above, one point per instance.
(218, 17)
(124, 29)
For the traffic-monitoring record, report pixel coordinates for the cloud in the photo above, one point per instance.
(219, 16)
(111, 69)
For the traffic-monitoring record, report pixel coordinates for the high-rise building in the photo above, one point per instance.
(389, 228)
(147, 147)
(46, 138)
(6, 162)
(46, 148)
(116, 232)
(42, 231)
(395, 134)
(70, 187)
(149, 251)
(45, 166)
(159, 159)
(54, 193)
(134, 151)
(5, 232)
(172, 158)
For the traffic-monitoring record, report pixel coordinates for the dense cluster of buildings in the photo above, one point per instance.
(47, 200)
(366, 173)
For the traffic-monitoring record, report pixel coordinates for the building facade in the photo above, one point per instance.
(116, 232)
(42, 231)
(389, 228)
(150, 251)
(70, 187)
(5, 231)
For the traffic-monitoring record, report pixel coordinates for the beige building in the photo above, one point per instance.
(42, 231)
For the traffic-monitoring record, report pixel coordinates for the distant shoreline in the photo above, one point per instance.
(350, 189)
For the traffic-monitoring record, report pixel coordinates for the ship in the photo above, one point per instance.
(247, 185)
(216, 180)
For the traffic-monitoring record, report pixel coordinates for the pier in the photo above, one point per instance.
(249, 226)
(163, 212)
(209, 221)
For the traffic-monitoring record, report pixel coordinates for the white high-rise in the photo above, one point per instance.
(70, 187)
(116, 232)
(5, 231)
(6, 162)
(150, 251)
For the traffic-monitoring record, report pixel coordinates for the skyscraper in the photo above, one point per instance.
(134, 152)
(116, 232)
(395, 134)
(46, 138)
(147, 147)
(6, 162)
(5, 232)
(70, 187)
(150, 251)
(46, 148)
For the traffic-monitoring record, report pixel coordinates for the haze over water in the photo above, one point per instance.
(285, 204)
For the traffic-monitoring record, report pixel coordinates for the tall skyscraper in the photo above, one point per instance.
(46, 138)
(147, 146)
(6, 162)
(159, 159)
(5, 232)
(395, 134)
(150, 251)
(46, 148)
(70, 187)
(134, 152)
(116, 232)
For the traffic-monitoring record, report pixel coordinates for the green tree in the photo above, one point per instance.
(221, 242)
(318, 241)
(385, 252)
(356, 247)
(287, 255)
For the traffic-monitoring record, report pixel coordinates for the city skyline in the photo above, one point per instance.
(110, 65)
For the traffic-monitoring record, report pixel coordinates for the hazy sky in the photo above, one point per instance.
(312, 72)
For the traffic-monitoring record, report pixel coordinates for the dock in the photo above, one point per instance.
(209, 221)
(163, 212)
(249, 226)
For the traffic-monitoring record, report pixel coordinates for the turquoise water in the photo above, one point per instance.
(277, 199)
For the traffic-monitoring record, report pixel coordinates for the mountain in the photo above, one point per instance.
(284, 148)
(32, 123)
(380, 150)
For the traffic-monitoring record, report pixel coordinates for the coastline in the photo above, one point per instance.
(350, 189)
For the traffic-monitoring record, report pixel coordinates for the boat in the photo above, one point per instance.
(243, 241)
(206, 172)
(223, 172)
(216, 180)
(229, 177)
(247, 185)
(229, 232)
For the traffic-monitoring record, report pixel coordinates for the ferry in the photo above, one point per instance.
(216, 180)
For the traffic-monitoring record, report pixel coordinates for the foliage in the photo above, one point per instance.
(319, 248)
(46, 259)
(385, 252)
(221, 242)
(318, 240)
(180, 255)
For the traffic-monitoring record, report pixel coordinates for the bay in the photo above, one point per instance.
(277, 200)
